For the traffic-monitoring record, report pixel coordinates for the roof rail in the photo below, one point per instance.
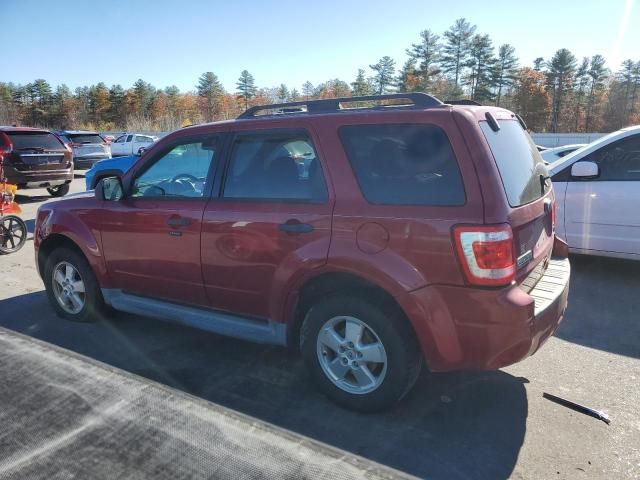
(463, 101)
(329, 105)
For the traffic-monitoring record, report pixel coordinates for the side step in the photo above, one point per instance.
(268, 331)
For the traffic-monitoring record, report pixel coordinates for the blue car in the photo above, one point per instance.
(108, 168)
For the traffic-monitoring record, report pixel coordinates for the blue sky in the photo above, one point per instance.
(173, 42)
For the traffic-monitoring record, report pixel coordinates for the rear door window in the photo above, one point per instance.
(404, 164)
(521, 167)
(275, 167)
(36, 140)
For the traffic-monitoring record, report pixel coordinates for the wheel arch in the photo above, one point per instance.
(330, 282)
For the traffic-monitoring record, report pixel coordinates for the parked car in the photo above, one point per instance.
(550, 155)
(129, 143)
(598, 192)
(387, 252)
(110, 167)
(36, 158)
(88, 147)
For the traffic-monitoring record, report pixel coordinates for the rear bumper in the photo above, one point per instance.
(38, 178)
(470, 328)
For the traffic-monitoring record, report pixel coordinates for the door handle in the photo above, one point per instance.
(295, 226)
(178, 221)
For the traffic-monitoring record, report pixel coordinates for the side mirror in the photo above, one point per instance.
(585, 170)
(109, 189)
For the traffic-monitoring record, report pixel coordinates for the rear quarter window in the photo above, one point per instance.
(404, 164)
(521, 167)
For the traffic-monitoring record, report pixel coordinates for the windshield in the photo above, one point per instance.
(37, 140)
(524, 174)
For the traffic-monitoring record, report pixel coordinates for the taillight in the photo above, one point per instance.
(486, 253)
(5, 143)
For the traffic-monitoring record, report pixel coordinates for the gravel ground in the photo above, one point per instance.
(492, 425)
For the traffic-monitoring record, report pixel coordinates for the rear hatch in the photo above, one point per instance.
(37, 151)
(528, 190)
(88, 145)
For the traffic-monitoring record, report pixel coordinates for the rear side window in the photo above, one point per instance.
(521, 167)
(275, 166)
(36, 140)
(85, 138)
(404, 164)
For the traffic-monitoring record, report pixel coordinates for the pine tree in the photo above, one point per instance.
(308, 90)
(456, 49)
(246, 87)
(481, 63)
(505, 70)
(383, 78)
(561, 72)
(210, 91)
(282, 93)
(361, 86)
(117, 110)
(294, 96)
(425, 56)
(597, 74)
(538, 63)
(581, 81)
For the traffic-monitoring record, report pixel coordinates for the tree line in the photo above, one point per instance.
(559, 94)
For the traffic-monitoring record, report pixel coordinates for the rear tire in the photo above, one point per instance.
(59, 191)
(363, 356)
(72, 287)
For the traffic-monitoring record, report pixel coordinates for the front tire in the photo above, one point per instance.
(72, 287)
(361, 355)
(59, 191)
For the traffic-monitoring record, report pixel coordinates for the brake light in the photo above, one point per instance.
(486, 253)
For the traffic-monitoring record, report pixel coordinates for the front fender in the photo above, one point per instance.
(77, 227)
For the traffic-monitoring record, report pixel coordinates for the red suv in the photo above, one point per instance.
(374, 233)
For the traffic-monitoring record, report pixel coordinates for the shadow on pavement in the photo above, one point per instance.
(453, 426)
(605, 321)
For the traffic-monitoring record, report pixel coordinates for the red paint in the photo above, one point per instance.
(234, 257)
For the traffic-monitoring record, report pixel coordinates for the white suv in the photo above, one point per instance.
(598, 192)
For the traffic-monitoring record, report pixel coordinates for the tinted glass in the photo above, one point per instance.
(404, 164)
(275, 167)
(180, 172)
(38, 140)
(519, 162)
(619, 161)
(121, 139)
(129, 137)
(84, 138)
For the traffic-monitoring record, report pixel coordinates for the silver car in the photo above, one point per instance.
(88, 147)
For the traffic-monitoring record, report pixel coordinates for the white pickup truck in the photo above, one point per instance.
(130, 143)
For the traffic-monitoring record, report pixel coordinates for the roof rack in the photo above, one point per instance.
(329, 105)
(463, 101)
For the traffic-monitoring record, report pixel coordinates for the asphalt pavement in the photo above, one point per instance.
(466, 425)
